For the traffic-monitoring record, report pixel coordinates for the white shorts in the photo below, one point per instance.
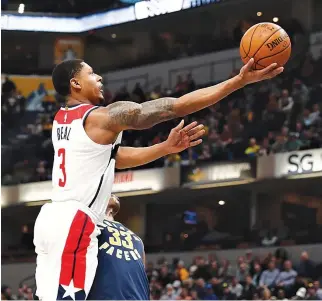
(66, 245)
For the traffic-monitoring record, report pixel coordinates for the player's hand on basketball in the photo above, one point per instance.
(248, 75)
(181, 138)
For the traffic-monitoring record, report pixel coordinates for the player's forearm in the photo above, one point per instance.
(202, 98)
(128, 157)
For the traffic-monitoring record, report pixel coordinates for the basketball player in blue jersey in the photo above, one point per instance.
(120, 274)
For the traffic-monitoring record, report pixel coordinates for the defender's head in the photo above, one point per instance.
(113, 207)
(77, 79)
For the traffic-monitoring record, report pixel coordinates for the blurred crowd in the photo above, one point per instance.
(275, 116)
(249, 278)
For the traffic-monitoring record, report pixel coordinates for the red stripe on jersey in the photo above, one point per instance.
(73, 261)
(68, 116)
(80, 263)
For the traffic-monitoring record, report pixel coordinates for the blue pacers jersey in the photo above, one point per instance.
(120, 273)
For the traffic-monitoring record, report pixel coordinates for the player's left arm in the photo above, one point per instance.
(180, 138)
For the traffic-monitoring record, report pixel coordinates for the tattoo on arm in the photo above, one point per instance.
(132, 115)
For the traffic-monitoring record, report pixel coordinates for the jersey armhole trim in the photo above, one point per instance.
(114, 151)
(113, 155)
(87, 113)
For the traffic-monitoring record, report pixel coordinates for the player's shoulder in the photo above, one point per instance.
(98, 116)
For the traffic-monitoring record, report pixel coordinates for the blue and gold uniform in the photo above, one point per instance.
(120, 274)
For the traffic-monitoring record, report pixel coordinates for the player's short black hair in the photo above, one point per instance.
(63, 73)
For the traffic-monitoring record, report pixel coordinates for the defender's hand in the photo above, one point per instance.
(181, 138)
(248, 75)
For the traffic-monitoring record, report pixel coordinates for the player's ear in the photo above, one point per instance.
(74, 83)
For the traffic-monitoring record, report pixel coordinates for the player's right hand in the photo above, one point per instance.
(181, 138)
(248, 76)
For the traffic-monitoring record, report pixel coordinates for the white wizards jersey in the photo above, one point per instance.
(83, 170)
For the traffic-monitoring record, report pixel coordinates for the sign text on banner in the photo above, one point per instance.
(289, 164)
(216, 173)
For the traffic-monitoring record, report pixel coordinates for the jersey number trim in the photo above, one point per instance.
(120, 238)
(62, 154)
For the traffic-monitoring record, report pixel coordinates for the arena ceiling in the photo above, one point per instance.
(63, 6)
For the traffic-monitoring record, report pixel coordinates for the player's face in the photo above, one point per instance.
(91, 84)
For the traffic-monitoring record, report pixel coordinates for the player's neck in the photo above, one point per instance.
(72, 101)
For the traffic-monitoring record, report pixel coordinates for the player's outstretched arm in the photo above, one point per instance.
(180, 138)
(129, 115)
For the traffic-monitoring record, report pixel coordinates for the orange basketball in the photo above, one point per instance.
(267, 43)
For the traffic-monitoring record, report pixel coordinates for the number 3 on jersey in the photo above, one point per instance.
(62, 154)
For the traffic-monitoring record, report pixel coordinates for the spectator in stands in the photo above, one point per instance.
(189, 157)
(269, 277)
(257, 274)
(252, 149)
(236, 288)
(165, 276)
(205, 153)
(138, 93)
(8, 86)
(202, 270)
(155, 289)
(177, 287)
(242, 273)
(225, 270)
(281, 295)
(311, 292)
(184, 295)
(172, 160)
(286, 103)
(200, 288)
(227, 294)
(29, 294)
(300, 294)
(249, 289)
(306, 266)
(286, 278)
(214, 269)
(190, 83)
(293, 143)
(318, 289)
(156, 92)
(6, 292)
(181, 86)
(280, 145)
(122, 95)
(194, 295)
(307, 119)
(266, 294)
(182, 272)
(273, 116)
(169, 294)
(41, 171)
(150, 270)
(315, 115)
(226, 136)
(26, 238)
(265, 148)
(210, 295)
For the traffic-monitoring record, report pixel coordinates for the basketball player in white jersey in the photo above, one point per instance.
(86, 141)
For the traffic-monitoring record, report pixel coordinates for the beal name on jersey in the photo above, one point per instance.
(63, 132)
